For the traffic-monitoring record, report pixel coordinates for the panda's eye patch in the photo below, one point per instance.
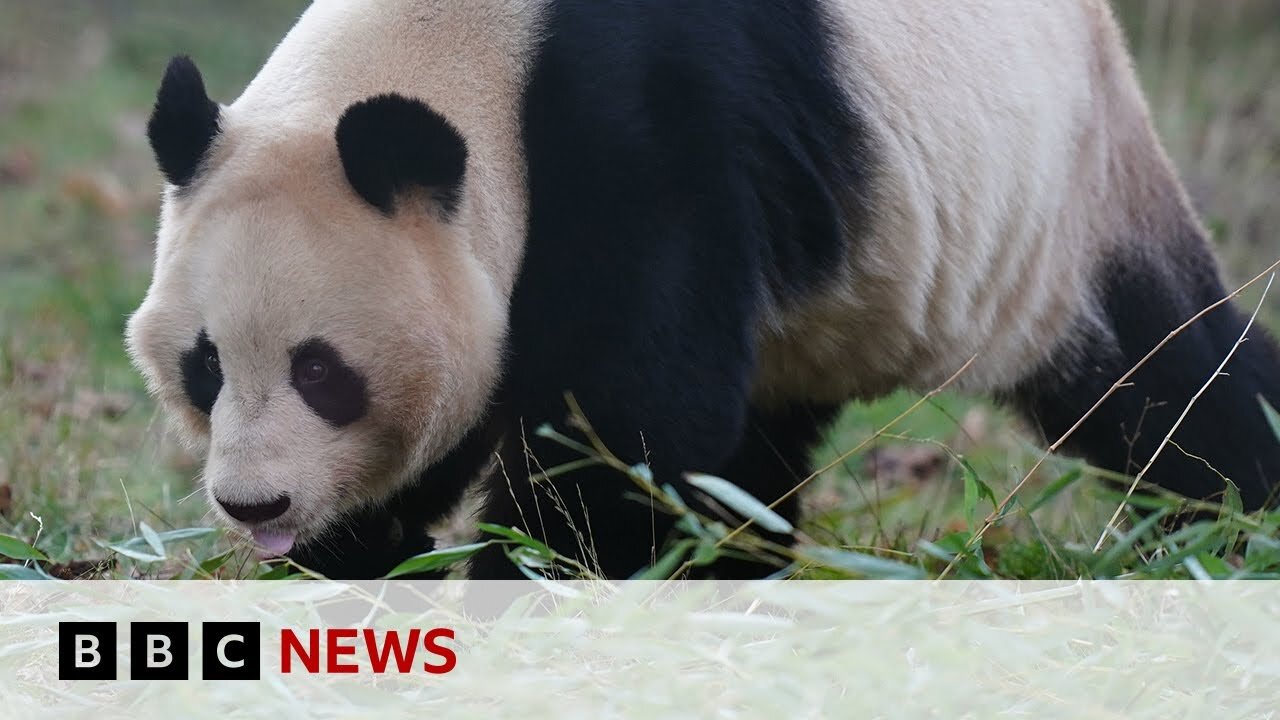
(202, 373)
(327, 384)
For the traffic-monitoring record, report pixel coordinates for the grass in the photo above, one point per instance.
(91, 486)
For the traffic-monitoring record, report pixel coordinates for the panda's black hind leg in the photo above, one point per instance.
(1225, 434)
(773, 458)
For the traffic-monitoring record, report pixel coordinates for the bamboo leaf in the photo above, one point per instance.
(1056, 488)
(868, 566)
(152, 538)
(22, 572)
(436, 559)
(12, 547)
(740, 501)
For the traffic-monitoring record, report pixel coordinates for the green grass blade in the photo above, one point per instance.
(1262, 553)
(1104, 567)
(668, 563)
(1056, 488)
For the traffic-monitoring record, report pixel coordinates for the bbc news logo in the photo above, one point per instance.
(159, 651)
(232, 651)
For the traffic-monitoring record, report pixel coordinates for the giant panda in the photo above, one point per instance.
(428, 224)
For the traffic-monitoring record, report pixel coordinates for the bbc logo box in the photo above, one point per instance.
(160, 651)
(231, 650)
(86, 651)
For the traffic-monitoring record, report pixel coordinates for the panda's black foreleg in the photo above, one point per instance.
(596, 516)
(627, 532)
(1224, 435)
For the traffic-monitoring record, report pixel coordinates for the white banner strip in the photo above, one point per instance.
(644, 650)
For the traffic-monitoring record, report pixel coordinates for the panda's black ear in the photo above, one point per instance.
(183, 123)
(390, 144)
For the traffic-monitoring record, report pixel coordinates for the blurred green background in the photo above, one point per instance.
(83, 454)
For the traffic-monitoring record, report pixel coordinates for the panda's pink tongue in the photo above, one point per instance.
(273, 542)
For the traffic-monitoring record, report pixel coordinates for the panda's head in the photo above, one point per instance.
(317, 320)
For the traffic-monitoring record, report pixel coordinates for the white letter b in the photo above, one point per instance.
(87, 646)
(158, 653)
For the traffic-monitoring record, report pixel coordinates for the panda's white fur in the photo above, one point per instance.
(1013, 152)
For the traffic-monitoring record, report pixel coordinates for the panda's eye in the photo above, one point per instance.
(212, 364)
(312, 372)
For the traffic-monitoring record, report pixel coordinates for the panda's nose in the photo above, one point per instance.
(255, 512)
